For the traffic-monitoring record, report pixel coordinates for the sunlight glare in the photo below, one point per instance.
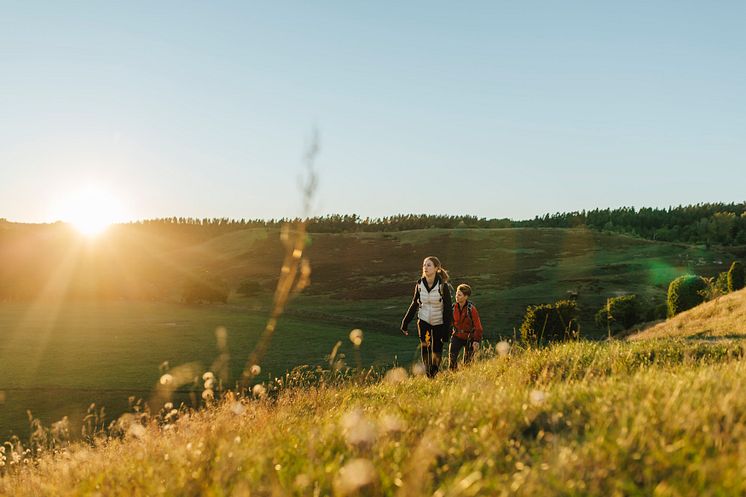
(90, 210)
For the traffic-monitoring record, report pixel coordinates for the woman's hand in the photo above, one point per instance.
(475, 346)
(404, 331)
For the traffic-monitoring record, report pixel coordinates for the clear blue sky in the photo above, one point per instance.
(494, 109)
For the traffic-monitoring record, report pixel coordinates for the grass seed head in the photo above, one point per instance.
(503, 348)
(395, 375)
(259, 391)
(357, 476)
(418, 369)
(356, 337)
(537, 397)
(358, 431)
(238, 408)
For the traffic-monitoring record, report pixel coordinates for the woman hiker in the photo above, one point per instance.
(432, 305)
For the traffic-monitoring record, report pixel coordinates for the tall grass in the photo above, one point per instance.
(645, 418)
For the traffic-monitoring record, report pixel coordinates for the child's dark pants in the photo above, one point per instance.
(456, 345)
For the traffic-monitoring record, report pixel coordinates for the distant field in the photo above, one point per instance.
(372, 275)
(57, 361)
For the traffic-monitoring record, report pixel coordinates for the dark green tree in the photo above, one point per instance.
(620, 313)
(685, 292)
(735, 277)
(547, 323)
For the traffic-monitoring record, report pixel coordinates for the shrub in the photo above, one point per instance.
(735, 277)
(250, 288)
(685, 292)
(716, 287)
(546, 323)
(205, 291)
(656, 311)
(623, 312)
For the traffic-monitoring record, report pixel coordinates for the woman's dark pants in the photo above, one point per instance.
(431, 345)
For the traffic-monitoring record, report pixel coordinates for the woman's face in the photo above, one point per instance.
(428, 268)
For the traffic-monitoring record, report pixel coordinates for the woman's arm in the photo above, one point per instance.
(447, 306)
(412, 309)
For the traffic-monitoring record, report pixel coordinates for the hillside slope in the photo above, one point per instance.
(724, 317)
(359, 275)
(576, 419)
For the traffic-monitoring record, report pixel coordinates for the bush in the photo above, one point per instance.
(623, 312)
(250, 288)
(685, 292)
(205, 291)
(548, 323)
(735, 277)
(716, 287)
(656, 311)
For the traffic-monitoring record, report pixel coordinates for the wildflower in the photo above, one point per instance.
(166, 379)
(356, 337)
(259, 390)
(208, 376)
(209, 384)
(358, 431)
(503, 348)
(255, 370)
(237, 408)
(395, 375)
(302, 481)
(536, 397)
(391, 424)
(208, 394)
(136, 430)
(355, 476)
(418, 369)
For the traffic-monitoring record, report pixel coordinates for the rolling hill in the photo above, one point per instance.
(71, 304)
(722, 318)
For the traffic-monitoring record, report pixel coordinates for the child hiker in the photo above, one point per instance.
(432, 305)
(467, 327)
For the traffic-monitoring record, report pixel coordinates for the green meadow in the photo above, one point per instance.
(663, 417)
(58, 356)
(57, 360)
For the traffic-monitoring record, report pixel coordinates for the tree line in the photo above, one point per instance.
(707, 223)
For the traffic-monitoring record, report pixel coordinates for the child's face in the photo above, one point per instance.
(460, 297)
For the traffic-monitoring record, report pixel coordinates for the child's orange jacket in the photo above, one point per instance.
(466, 322)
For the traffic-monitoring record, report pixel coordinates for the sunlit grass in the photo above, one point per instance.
(721, 318)
(646, 418)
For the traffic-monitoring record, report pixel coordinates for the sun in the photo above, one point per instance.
(90, 210)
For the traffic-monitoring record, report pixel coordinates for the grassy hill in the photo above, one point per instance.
(656, 417)
(722, 318)
(59, 355)
(653, 415)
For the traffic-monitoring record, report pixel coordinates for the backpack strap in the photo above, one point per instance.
(443, 285)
